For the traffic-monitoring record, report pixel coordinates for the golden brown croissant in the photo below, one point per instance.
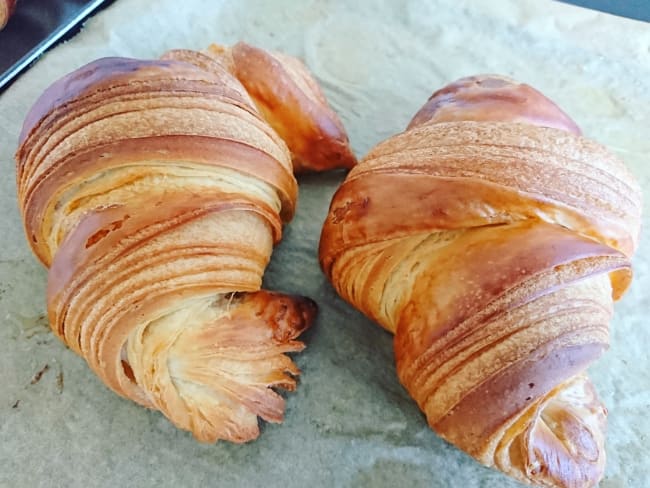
(491, 239)
(154, 192)
(7, 8)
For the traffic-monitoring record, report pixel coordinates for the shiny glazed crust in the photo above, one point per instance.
(491, 238)
(154, 192)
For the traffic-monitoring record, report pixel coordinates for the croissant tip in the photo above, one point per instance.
(307, 308)
(293, 103)
(287, 315)
(220, 373)
(492, 98)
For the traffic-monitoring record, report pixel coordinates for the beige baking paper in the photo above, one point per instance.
(350, 423)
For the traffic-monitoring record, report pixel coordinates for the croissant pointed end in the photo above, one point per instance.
(287, 315)
(560, 441)
(292, 102)
(306, 309)
(565, 445)
(211, 366)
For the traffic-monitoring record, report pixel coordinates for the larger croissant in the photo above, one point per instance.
(154, 192)
(491, 238)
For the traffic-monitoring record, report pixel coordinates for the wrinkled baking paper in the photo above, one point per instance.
(350, 423)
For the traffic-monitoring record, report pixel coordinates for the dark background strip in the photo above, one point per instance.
(634, 9)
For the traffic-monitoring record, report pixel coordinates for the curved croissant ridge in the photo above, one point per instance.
(154, 191)
(496, 268)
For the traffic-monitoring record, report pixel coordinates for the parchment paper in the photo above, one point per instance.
(350, 423)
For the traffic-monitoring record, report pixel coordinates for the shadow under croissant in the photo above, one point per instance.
(496, 269)
(155, 191)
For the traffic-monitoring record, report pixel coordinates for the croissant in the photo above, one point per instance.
(154, 191)
(491, 239)
(7, 8)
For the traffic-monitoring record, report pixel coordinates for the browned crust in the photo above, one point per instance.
(96, 76)
(93, 84)
(486, 408)
(118, 79)
(104, 229)
(480, 267)
(212, 60)
(442, 187)
(485, 98)
(295, 106)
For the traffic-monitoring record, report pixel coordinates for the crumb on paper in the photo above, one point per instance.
(35, 326)
(37, 377)
(59, 381)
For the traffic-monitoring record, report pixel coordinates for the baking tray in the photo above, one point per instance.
(36, 26)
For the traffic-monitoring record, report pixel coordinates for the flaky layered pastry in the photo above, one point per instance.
(7, 8)
(492, 238)
(154, 191)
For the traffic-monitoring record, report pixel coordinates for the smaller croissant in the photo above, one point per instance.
(7, 8)
(491, 239)
(154, 192)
